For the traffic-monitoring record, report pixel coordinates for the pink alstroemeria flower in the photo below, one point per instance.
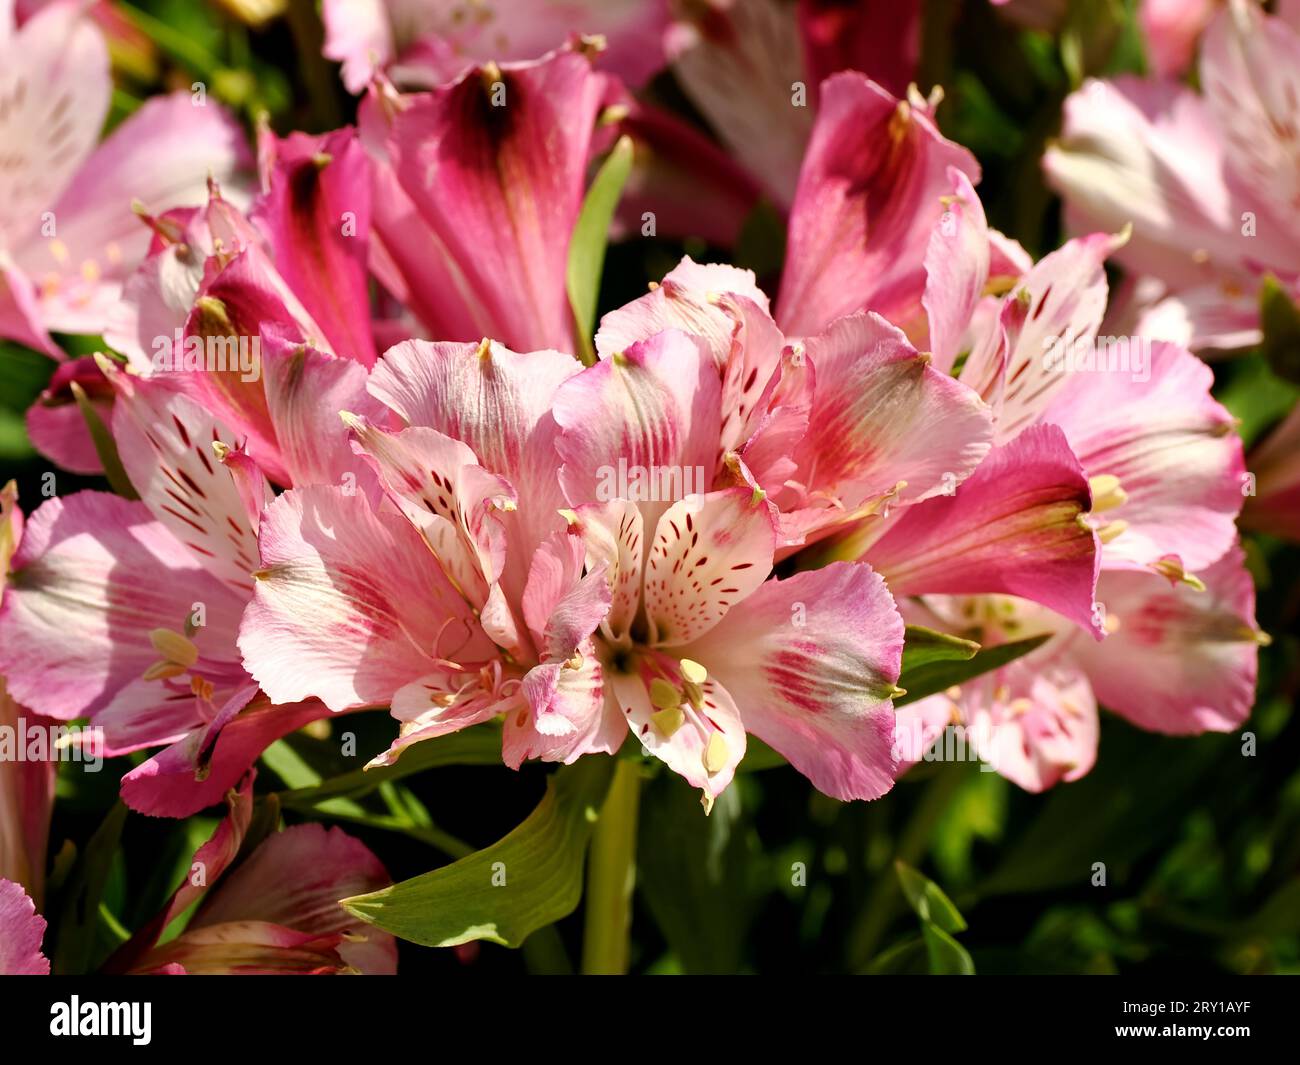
(265, 319)
(127, 612)
(478, 184)
(1210, 182)
(755, 69)
(1177, 658)
(21, 931)
(26, 786)
(1158, 478)
(1272, 503)
(650, 615)
(68, 238)
(1171, 30)
(275, 912)
(422, 45)
(868, 199)
(835, 427)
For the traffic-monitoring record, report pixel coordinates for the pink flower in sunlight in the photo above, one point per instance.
(515, 581)
(21, 931)
(422, 45)
(126, 612)
(478, 184)
(276, 911)
(68, 237)
(1209, 181)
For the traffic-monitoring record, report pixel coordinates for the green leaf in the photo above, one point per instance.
(1255, 396)
(523, 882)
(947, 956)
(480, 745)
(695, 873)
(939, 676)
(922, 646)
(105, 446)
(928, 899)
(24, 373)
(14, 445)
(590, 234)
(1279, 318)
(911, 957)
(79, 913)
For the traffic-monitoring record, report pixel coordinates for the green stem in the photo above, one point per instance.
(611, 874)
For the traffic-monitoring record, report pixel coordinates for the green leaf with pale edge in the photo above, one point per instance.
(590, 234)
(480, 745)
(947, 956)
(928, 899)
(1279, 319)
(541, 861)
(939, 920)
(939, 676)
(922, 646)
(105, 446)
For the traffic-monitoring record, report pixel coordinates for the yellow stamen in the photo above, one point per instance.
(174, 647)
(663, 694)
(694, 672)
(1106, 492)
(668, 720)
(163, 671)
(1168, 567)
(715, 754)
(1111, 530)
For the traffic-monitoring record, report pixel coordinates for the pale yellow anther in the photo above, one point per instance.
(613, 115)
(715, 753)
(694, 672)
(668, 720)
(900, 121)
(1111, 624)
(90, 270)
(664, 695)
(1171, 568)
(221, 450)
(1106, 492)
(174, 647)
(58, 250)
(575, 662)
(954, 693)
(484, 350)
(163, 671)
(1112, 530)
(570, 516)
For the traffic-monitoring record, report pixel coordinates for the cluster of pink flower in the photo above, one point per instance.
(925, 427)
